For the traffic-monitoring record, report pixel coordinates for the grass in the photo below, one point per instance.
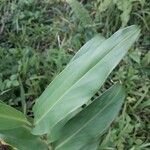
(39, 37)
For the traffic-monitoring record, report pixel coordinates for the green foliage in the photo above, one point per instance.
(80, 83)
(38, 38)
(11, 118)
(89, 46)
(30, 68)
(90, 123)
(83, 83)
(22, 139)
(104, 4)
(81, 13)
(125, 6)
(83, 16)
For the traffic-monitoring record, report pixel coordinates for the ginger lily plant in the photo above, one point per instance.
(60, 121)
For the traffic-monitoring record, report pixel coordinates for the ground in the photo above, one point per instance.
(39, 37)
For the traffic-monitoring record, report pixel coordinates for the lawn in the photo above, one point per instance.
(39, 37)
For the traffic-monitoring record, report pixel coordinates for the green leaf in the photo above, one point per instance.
(126, 7)
(91, 45)
(104, 5)
(146, 59)
(11, 118)
(92, 121)
(135, 56)
(22, 139)
(80, 12)
(79, 81)
(2, 102)
(91, 145)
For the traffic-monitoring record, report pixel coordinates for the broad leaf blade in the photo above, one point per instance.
(92, 121)
(92, 145)
(22, 139)
(11, 118)
(79, 81)
(91, 45)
